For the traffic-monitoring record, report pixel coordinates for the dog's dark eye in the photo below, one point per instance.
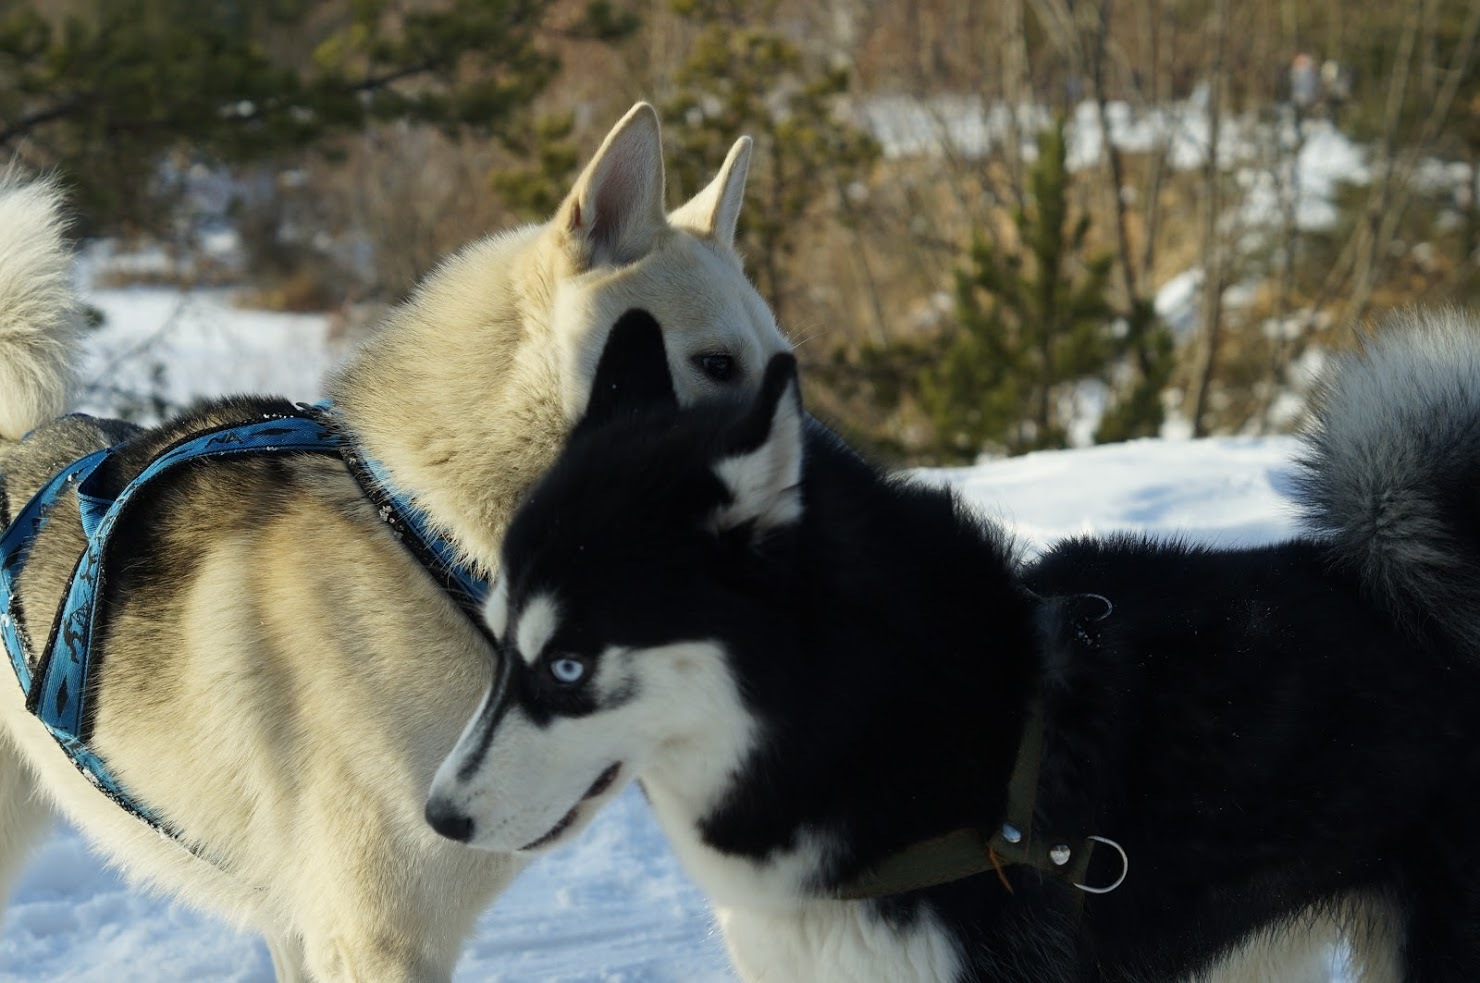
(567, 671)
(718, 366)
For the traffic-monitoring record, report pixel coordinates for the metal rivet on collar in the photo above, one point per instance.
(1011, 833)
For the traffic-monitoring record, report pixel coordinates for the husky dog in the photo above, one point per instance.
(890, 749)
(277, 677)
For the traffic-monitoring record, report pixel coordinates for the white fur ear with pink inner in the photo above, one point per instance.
(615, 211)
(714, 212)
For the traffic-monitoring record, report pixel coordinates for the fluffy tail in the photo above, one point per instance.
(38, 310)
(1390, 470)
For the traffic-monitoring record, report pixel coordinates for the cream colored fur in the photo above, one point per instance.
(37, 309)
(286, 702)
(535, 304)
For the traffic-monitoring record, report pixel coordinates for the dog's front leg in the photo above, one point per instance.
(24, 814)
(287, 959)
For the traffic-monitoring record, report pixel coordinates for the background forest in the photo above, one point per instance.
(991, 227)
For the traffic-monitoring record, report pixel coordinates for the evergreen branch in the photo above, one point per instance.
(26, 124)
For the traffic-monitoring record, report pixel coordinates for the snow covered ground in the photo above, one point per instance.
(614, 906)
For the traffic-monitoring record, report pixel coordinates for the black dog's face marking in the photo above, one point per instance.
(604, 611)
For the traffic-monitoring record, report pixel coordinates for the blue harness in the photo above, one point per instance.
(60, 691)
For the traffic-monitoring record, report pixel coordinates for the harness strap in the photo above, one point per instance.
(15, 550)
(410, 524)
(62, 698)
(58, 692)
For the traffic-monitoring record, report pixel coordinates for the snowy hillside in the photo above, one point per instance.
(613, 907)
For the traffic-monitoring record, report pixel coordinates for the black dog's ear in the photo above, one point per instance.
(632, 375)
(762, 464)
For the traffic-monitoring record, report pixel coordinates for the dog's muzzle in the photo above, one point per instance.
(462, 762)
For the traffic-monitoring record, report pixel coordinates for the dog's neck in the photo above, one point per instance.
(834, 784)
(461, 440)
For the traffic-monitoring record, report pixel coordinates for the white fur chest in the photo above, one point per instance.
(836, 942)
(776, 934)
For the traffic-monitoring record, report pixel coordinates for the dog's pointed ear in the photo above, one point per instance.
(615, 211)
(632, 375)
(762, 465)
(714, 212)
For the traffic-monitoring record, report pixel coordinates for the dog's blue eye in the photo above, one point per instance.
(568, 671)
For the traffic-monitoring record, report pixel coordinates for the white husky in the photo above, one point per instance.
(279, 678)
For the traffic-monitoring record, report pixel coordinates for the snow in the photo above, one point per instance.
(181, 346)
(1230, 491)
(614, 906)
(1176, 302)
(970, 127)
(1286, 173)
(1325, 159)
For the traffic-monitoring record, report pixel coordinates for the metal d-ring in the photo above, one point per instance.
(1109, 609)
(1125, 866)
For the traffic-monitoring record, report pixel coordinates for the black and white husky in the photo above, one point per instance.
(888, 749)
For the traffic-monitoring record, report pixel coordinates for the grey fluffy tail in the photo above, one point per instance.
(1390, 470)
(38, 309)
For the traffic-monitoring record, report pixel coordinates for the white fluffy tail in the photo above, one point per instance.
(38, 309)
(1390, 470)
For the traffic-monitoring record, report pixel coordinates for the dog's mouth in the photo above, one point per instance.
(603, 782)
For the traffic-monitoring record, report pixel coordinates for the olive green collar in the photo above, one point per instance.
(974, 850)
(967, 852)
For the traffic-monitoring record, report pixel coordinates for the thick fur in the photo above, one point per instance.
(37, 309)
(278, 678)
(809, 664)
(1380, 475)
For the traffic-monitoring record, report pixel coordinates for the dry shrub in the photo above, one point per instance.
(402, 198)
(304, 292)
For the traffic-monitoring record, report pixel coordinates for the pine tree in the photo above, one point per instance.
(103, 90)
(536, 187)
(1137, 410)
(740, 78)
(1033, 321)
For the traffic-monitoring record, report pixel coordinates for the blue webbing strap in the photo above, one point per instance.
(15, 549)
(438, 554)
(59, 691)
(60, 697)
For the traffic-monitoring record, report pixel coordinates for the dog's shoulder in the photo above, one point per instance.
(185, 512)
(141, 446)
(31, 463)
(212, 497)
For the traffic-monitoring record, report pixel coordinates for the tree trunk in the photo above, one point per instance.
(1014, 85)
(1212, 299)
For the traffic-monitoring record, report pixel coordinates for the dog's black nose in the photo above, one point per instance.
(448, 821)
